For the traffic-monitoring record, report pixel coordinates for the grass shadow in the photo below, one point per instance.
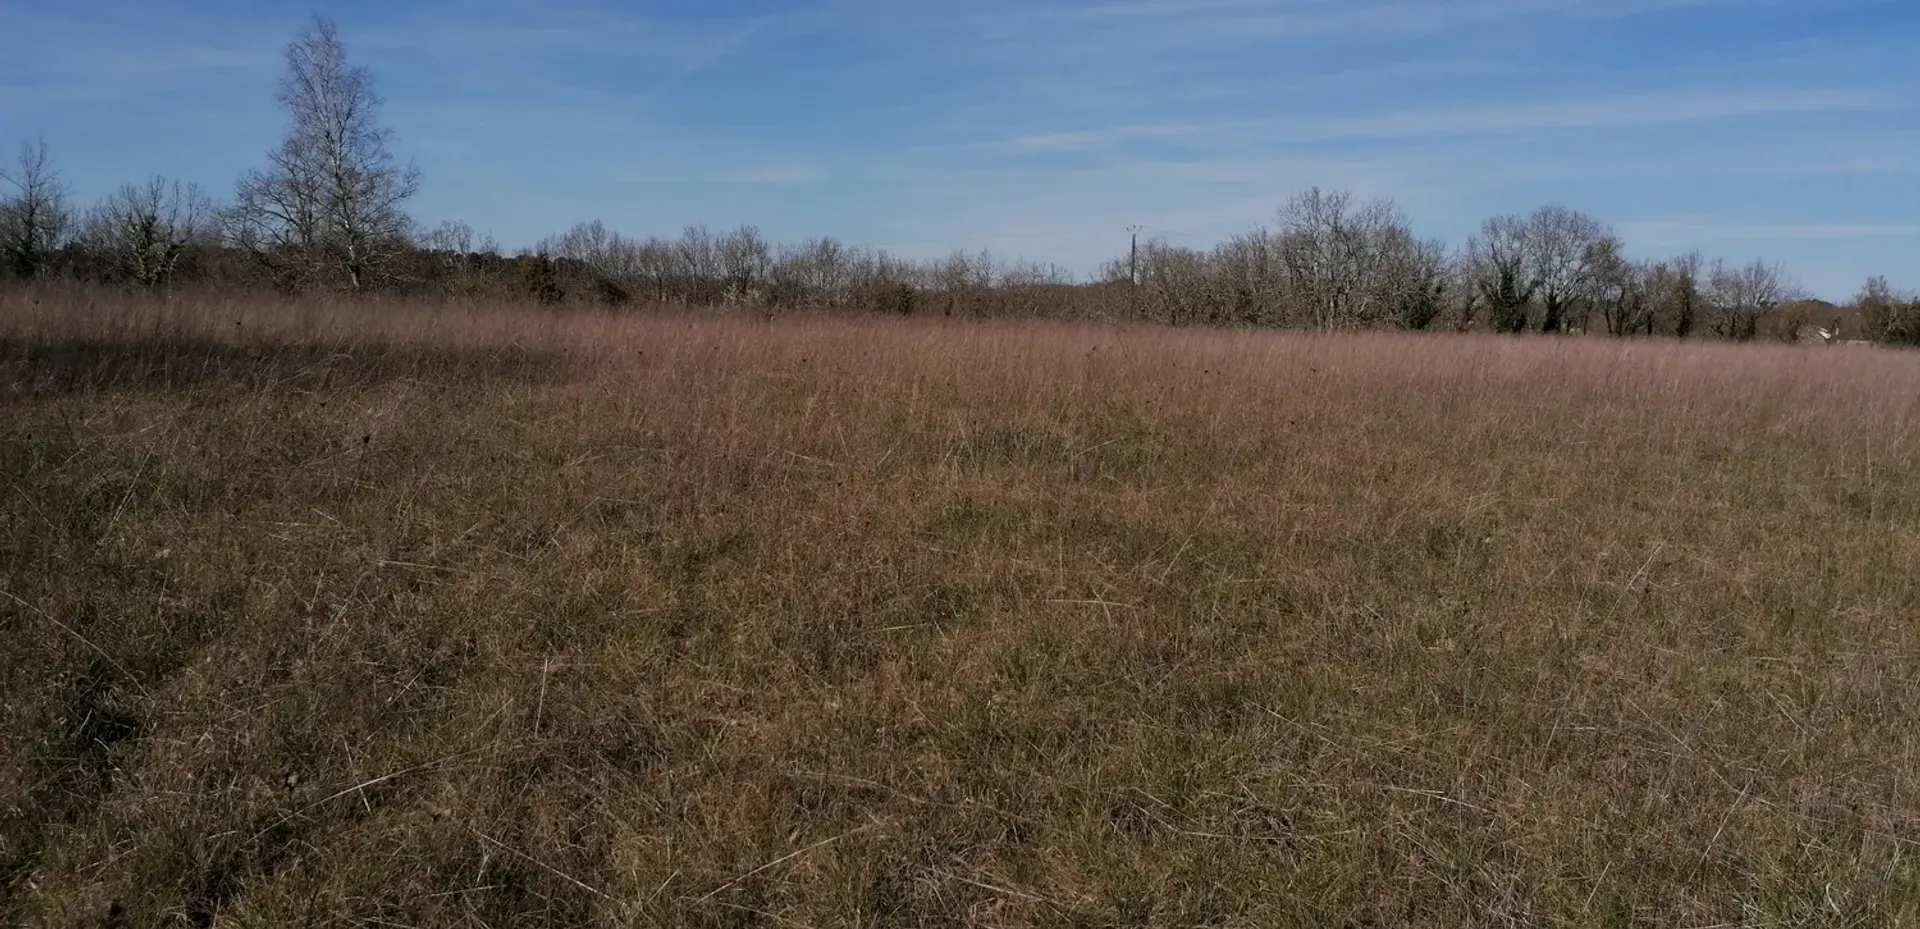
(182, 362)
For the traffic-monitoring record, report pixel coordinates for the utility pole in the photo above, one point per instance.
(1133, 271)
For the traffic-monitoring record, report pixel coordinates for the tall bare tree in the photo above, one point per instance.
(699, 265)
(1252, 277)
(1175, 282)
(1413, 278)
(746, 260)
(1676, 292)
(1500, 266)
(1740, 295)
(1335, 251)
(1623, 290)
(330, 207)
(1461, 300)
(143, 230)
(34, 217)
(1564, 247)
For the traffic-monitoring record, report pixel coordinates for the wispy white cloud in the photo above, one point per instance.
(790, 173)
(1264, 19)
(73, 56)
(502, 49)
(1654, 168)
(1112, 135)
(713, 50)
(1671, 233)
(1608, 112)
(1861, 165)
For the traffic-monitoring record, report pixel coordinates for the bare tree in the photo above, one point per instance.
(817, 270)
(1412, 279)
(329, 208)
(656, 266)
(1501, 271)
(1887, 316)
(1461, 300)
(1741, 295)
(143, 230)
(826, 272)
(699, 265)
(34, 218)
(1334, 252)
(879, 281)
(597, 246)
(1676, 292)
(745, 263)
(1252, 275)
(964, 278)
(1876, 304)
(459, 238)
(1174, 281)
(1623, 291)
(1563, 248)
(460, 256)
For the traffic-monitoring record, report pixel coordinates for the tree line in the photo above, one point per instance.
(1332, 262)
(327, 212)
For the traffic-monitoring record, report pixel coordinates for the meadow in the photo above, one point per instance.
(328, 613)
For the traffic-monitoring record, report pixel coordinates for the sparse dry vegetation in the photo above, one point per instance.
(410, 615)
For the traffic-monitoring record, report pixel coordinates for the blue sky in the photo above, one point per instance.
(1777, 129)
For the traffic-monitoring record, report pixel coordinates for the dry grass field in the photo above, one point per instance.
(414, 616)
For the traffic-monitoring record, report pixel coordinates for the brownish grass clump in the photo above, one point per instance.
(405, 616)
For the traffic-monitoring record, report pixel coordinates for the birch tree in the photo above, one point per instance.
(329, 208)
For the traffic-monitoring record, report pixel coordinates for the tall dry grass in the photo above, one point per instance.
(417, 616)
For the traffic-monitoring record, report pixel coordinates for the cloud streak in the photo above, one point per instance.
(1663, 232)
(74, 56)
(795, 173)
(1171, 32)
(1610, 112)
(1264, 19)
